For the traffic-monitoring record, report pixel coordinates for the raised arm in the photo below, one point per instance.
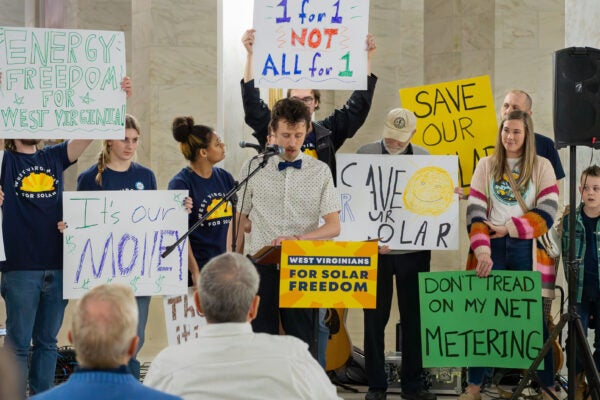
(371, 48)
(256, 112)
(248, 41)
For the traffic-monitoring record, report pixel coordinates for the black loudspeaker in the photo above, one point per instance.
(577, 97)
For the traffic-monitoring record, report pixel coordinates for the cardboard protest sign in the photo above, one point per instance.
(467, 321)
(120, 236)
(182, 317)
(408, 202)
(455, 117)
(61, 83)
(324, 273)
(310, 44)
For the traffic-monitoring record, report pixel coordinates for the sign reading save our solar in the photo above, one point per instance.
(119, 236)
(323, 273)
(407, 202)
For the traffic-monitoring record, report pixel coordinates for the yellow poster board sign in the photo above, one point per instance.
(456, 118)
(323, 274)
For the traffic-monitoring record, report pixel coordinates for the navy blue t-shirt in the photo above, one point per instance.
(590, 260)
(137, 177)
(33, 187)
(210, 238)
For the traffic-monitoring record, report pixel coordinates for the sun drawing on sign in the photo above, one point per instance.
(429, 191)
(222, 212)
(37, 183)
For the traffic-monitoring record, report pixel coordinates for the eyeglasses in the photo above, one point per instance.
(306, 100)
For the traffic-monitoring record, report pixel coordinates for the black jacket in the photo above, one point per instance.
(331, 133)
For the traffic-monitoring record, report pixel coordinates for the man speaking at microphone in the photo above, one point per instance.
(286, 200)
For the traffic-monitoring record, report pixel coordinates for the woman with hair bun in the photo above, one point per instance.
(207, 185)
(116, 170)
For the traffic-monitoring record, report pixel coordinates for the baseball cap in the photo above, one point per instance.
(399, 125)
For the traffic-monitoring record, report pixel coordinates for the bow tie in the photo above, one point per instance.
(294, 164)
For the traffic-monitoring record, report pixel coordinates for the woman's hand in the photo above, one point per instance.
(461, 193)
(188, 204)
(496, 231)
(484, 265)
(62, 225)
(385, 249)
(126, 86)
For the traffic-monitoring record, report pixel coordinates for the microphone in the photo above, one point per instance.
(244, 144)
(272, 150)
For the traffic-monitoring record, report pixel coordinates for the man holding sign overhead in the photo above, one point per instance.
(400, 126)
(324, 137)
(31, 285)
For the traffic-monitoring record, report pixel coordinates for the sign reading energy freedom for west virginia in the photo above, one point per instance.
(408, 202)
(61, 83)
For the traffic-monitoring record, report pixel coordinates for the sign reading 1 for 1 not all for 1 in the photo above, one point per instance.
(311, 41)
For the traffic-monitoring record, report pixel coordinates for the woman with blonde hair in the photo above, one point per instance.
(503, 223)
(116, 170)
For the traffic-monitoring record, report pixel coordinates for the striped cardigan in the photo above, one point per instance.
(531, 225)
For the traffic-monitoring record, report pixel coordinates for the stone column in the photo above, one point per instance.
(174, 71)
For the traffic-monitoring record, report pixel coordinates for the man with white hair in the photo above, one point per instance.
(229, 360)
(103, 332)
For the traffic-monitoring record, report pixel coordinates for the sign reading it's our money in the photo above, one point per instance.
(121, 236)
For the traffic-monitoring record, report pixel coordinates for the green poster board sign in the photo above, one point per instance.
(480, 322)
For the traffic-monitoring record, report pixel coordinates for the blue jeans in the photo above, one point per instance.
(143, 304)
(510, 254)
(34, 312)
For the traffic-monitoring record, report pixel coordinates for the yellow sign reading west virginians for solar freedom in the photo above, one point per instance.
(324, 273)
(455, 117)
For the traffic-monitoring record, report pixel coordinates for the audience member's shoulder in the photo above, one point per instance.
(291, 345)
(148, 393)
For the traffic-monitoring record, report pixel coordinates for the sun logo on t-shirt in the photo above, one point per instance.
(222, 212)
(35, 182)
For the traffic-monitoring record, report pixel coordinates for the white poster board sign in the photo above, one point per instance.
(311, 44)
(182, 318)
(408, 202)
(120, 236)
(61, 83)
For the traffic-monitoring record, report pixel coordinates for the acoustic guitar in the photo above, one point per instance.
(339, 346)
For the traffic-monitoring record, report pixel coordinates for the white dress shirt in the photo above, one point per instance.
(229, 361)
(288, 202)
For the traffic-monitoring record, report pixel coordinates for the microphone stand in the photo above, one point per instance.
(229, 196)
